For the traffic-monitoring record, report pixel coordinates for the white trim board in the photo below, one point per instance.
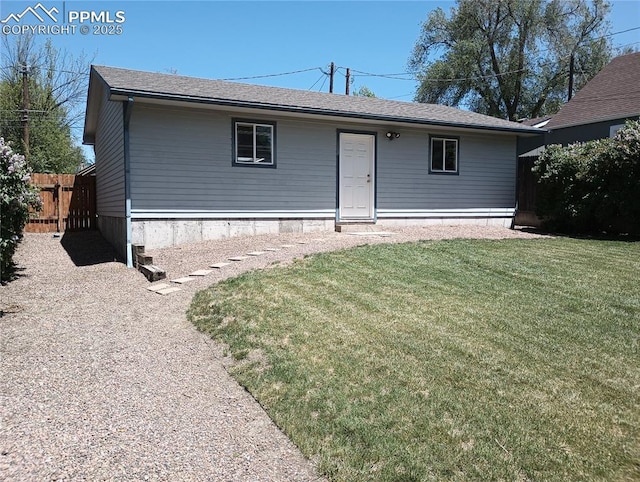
(447, 213)
(318, 214)
(206, 214)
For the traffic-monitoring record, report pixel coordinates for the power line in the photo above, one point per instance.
(230, 78)
(405, 76)
(402, 75)
(274, 75)
(400, 96)
(324, 74)
(389, 76)
(48, 69)
(415, 78)
(28, 110)
(621, 31)
(622, 47)
(322, 86)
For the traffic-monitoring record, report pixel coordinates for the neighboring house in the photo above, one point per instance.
(602, 106)
(597, 111)
(182, 159)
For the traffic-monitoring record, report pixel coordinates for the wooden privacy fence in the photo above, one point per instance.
(68, 203)
(527, 192)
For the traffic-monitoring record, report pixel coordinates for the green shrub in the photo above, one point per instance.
(16, 197)
(592, 187)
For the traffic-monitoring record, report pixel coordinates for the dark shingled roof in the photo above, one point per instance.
(612, 94)
(173, 87)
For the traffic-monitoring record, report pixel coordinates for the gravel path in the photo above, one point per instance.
(101, 379)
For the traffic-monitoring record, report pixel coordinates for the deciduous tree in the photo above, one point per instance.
(57, 84)
(510, 58)
(364, 91)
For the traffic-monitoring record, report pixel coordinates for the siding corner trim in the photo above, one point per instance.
(126, 115)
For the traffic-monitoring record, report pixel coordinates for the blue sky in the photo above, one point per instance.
(215, 39)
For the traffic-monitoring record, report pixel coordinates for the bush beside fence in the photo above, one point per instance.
(593, 186)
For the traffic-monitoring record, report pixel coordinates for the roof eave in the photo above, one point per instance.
(114, 91)
(96, 84)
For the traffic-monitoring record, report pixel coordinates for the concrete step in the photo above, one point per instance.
(363, 227)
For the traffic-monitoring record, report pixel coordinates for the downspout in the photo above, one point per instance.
(515, 210)
(128, 106)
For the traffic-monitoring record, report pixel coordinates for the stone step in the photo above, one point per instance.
(152, 272)
(143, 259)
(219, 265)
(184, 279)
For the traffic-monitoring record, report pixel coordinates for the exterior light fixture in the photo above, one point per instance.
(392, 135)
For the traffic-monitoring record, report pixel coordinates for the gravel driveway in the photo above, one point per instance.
(101, 379)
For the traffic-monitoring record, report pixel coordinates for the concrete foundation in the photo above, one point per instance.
(162, 233)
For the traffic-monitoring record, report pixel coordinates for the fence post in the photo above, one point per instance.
(59, 208)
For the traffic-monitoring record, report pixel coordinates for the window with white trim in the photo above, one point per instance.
(254, 143)
(444, 155)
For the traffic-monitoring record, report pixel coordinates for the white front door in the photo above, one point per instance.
(357, 154)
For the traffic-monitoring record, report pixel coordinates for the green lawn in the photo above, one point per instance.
(449, 360)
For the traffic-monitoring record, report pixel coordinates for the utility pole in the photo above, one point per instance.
(332, 71)
(25, 110)
(348, 76)
(572, 60)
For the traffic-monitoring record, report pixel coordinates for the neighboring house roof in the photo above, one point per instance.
(536, 121)
(614, 93)
(123, 83)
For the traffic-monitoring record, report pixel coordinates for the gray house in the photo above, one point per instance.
(602, 106)
(182, 159)
(597, 111)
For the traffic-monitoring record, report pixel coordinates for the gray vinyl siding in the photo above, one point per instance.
(109, 150)
(486, 178)
(569, 135)
(182, 159)
(583, 133)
